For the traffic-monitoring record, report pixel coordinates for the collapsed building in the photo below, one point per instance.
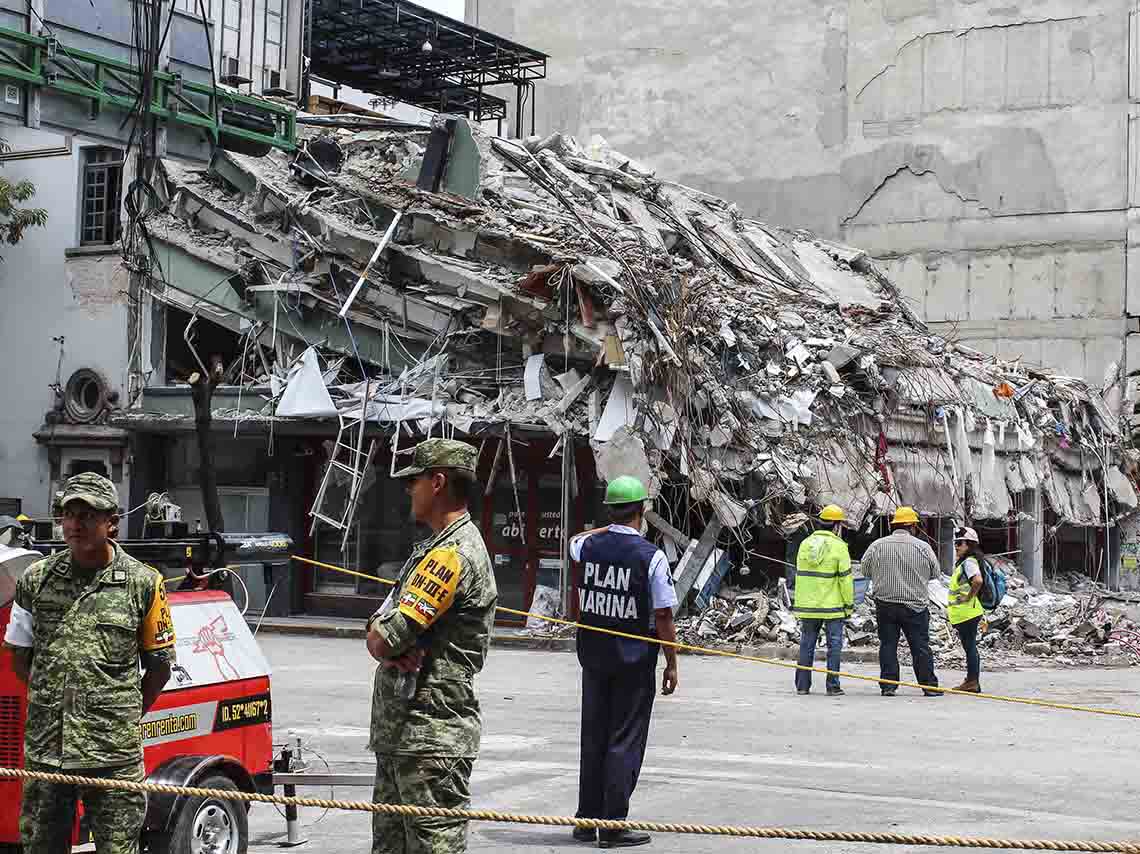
(577, 317)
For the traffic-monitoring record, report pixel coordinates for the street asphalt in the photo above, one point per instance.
(736, 745)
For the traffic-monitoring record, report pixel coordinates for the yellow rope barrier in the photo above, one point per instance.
(724, 653)
(1123, 847)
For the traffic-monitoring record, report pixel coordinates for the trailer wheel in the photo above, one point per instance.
(208, 825)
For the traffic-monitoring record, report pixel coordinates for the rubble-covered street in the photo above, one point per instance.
(736, 745)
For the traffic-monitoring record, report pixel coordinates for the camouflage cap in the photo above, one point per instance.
(440, 454)
(93, 490)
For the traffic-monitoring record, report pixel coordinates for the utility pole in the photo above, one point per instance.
(149, 136)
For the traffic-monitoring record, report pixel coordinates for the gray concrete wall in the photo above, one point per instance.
(982, 149)
(45, 295)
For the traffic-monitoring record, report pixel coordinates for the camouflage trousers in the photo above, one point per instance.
(48, 813)
(422, 782)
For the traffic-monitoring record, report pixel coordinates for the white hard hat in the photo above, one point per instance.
(965, 535)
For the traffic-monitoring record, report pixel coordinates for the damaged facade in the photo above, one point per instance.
(576, 317)
(65, 286)
(980, 150)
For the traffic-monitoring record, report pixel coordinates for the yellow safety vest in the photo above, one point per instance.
(824, 586)
(960, 586)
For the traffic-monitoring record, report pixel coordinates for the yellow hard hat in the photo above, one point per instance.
(23, 518)
(833, 513)
(905, 516)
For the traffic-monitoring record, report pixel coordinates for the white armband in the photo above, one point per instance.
(21, 628)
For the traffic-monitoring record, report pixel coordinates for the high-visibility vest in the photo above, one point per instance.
(825, 589)
(960, 586)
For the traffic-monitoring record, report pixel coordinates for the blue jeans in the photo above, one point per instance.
(808, 639)
(968, 632)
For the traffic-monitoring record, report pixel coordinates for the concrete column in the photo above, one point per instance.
(946, 545)
(1112, 576)
(1030, 535)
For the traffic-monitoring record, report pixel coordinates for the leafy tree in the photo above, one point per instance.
(14, 219)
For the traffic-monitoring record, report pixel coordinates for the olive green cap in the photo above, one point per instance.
(625, 490)
(92, 489)
(440, 454)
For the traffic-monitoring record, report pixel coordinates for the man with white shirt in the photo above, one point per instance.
(625, 588)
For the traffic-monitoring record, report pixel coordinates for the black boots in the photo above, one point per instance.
(622, 838)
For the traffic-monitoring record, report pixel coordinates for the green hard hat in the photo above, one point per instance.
(625, 490)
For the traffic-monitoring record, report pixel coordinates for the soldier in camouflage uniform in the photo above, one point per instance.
(431, 637)
(81, 622)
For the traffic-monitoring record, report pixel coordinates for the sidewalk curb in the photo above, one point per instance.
(554, 644)
(540, 643)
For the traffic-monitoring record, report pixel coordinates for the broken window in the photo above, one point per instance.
(210, 339)
(102, 194)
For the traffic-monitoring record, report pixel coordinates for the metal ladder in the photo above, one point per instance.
(348, 459)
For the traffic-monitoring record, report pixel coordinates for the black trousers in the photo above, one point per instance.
(616, 705)
(895, 619)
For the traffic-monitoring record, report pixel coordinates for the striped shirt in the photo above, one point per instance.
(899, 567)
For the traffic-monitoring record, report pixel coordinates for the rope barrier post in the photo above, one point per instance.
(293, 836)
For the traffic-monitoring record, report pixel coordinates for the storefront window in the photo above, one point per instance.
(507, 543)
(379, 541)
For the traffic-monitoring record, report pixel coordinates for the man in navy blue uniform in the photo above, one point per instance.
(625, 587)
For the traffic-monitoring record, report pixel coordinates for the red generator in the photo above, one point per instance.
(211, 727)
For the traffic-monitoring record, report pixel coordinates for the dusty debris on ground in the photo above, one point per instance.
(1088, 625)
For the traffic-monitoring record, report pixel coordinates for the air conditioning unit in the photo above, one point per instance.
(230, 72)
(272, 79)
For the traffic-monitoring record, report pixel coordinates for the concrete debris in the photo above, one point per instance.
(762, 364)
(1085, 625)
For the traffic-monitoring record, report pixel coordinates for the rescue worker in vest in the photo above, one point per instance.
(625, 587)
(82, 621)
(965, 610)
(824, 597)
(431, 637)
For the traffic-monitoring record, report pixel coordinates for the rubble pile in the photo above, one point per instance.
(1087, 625)
(565, 288)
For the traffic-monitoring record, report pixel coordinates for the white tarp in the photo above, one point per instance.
(991, 496)
(385, 408)
(305, 394)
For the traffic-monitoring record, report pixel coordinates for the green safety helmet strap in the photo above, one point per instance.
(625, 490)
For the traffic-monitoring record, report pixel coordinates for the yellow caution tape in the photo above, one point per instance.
(1123, 847)
(723, 653)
